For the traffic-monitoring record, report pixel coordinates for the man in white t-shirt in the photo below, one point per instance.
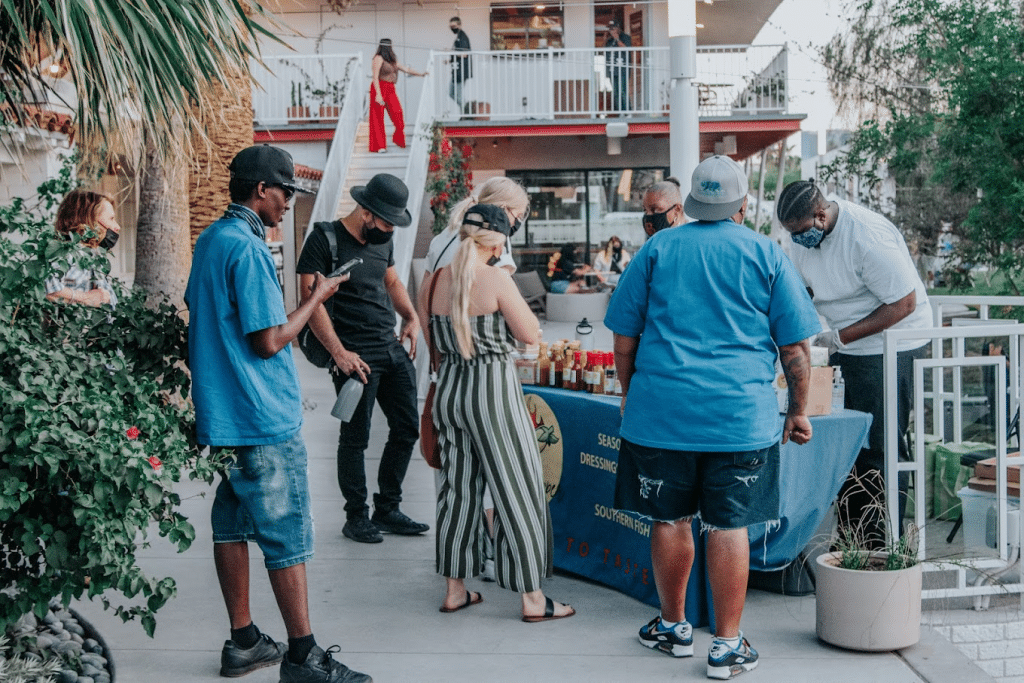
(863, 281)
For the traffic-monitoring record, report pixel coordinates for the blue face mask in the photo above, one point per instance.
(809, 238)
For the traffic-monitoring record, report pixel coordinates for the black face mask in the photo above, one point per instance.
(653, 222)
(455, 29)
(618, 249)
(514, 228)
(375, 235)
(109, 240)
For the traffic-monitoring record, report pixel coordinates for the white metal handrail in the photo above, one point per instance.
(325, 206)
(587, 82)
(416, 176)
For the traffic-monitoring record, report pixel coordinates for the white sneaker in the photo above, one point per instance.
(488, 572)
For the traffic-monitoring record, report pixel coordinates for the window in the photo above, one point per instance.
(586, 207)
(525, 27)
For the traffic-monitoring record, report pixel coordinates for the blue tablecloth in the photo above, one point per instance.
(579, 438)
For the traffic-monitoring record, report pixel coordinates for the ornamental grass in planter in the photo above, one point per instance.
(869, 599)
(95, 430)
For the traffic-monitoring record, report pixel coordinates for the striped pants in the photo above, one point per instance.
(486, 435)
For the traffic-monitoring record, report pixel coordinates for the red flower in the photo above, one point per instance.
(156, 464)
(132, 433)
(467, 151)
(446, 146)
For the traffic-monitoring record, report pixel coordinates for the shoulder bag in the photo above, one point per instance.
(429, 446)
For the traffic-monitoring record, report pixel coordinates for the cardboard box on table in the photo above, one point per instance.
(819, 395)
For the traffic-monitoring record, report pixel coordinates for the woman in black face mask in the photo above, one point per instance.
(82, 212)
(612, 260)
(663, 206)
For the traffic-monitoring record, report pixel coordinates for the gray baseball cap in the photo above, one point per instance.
(717, 189)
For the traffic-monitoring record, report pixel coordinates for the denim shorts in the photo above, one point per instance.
(729, 490)
(559, 286)
(264, 497)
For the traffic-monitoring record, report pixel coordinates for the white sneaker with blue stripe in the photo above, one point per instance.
(726, 661)
(676, 641)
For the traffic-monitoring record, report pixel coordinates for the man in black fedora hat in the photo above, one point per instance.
(360, 335)
(247, 399)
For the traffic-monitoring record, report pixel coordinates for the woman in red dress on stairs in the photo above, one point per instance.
(382, 96)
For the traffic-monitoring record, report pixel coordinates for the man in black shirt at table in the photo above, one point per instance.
(360, 335)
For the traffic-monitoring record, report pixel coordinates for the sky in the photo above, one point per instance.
(805, 26)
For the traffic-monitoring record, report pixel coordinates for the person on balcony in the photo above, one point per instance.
(383, 97)
(616, 65)
(462, 67)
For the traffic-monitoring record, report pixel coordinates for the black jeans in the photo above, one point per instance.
(392, 384)
(861, 502)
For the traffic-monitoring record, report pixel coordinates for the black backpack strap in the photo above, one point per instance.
(329, 229)
(439, 256)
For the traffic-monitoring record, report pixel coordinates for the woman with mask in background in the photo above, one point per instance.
(612, 260)
(81, 212)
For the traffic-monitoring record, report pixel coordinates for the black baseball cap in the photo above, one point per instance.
(488, 217)
(265, 164)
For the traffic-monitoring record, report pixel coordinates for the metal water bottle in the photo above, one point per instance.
(348, 398)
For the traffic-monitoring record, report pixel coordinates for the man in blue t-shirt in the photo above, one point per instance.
(247, 399)
(700, 317)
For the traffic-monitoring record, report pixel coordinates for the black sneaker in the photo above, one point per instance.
(236, 661)
(397, 522)
(362, 530)
(319, 667)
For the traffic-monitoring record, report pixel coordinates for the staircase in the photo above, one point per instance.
(365, 165)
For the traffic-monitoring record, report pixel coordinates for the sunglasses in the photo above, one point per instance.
(288, 191)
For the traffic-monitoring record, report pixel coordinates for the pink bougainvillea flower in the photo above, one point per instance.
(132, 433)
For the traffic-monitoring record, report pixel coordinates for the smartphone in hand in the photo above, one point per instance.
(345, 267)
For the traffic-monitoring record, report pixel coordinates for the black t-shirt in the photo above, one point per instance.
(363, 315)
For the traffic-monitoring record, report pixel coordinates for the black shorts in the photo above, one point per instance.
(730, 490)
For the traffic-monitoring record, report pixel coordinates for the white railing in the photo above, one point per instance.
(416, 177)
(302, 88)
(336, 169)
(584, 83)
(949, 354)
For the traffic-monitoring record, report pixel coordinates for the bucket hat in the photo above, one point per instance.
(385, 196)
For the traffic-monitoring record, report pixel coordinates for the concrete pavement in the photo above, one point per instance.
(379, 603)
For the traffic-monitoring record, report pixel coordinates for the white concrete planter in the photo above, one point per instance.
(868, 610)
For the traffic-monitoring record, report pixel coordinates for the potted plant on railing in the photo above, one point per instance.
(870, 599)
(298, 112)
(330, 100)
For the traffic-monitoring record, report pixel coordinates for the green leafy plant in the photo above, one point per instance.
(95, 428)
(448, 176)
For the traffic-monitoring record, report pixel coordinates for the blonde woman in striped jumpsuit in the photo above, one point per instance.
(486, 434)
